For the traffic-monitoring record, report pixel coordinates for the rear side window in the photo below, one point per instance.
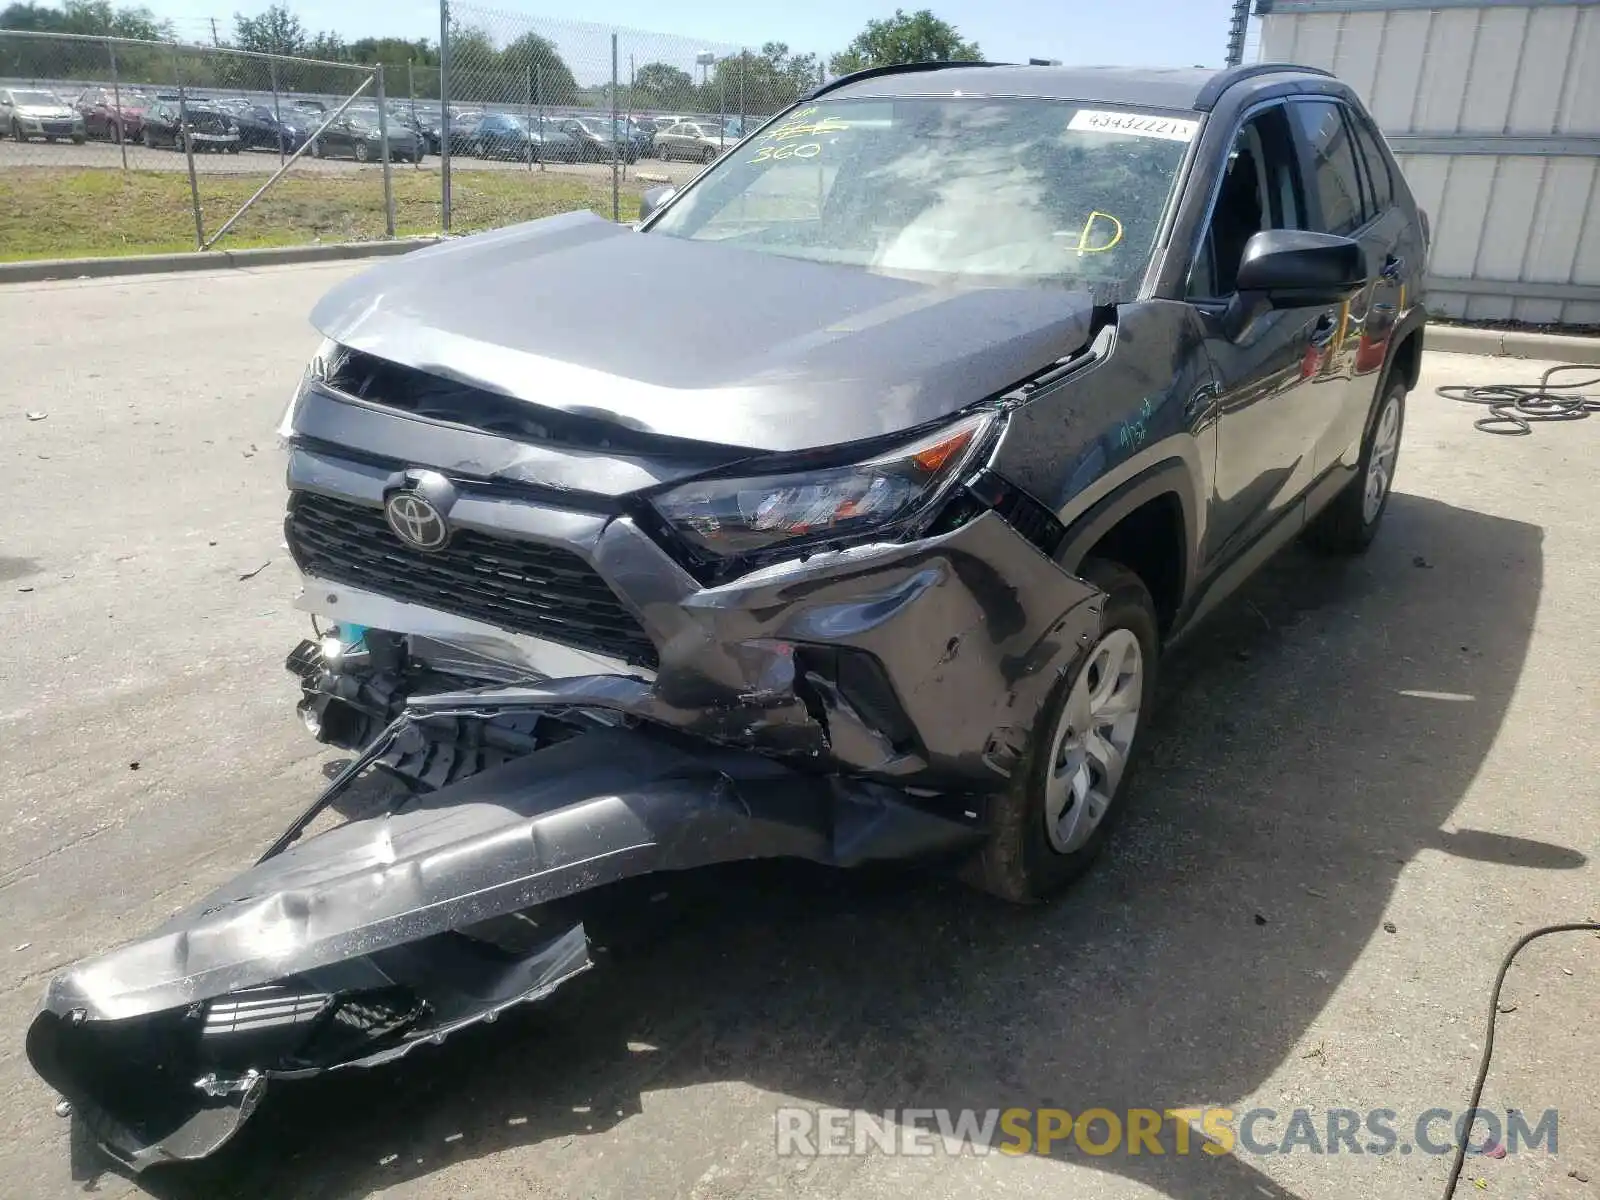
(1337, 179)
(1379, 184)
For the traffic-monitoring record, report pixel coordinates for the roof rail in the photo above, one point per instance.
(895, 69)
(1223, 80)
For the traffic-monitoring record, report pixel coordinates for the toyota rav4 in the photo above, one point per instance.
(950, 397)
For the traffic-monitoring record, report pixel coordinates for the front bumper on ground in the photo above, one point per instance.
(357, 946)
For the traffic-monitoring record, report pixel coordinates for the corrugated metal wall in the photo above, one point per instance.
(1494, 114)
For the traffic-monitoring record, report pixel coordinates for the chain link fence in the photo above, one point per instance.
(565, 97)
(112, 146)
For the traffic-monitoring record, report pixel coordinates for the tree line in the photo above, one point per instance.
(528, 69)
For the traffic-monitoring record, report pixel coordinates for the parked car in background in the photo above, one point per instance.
(27, 113)
(261, 128)
(112, 113)
(312, 106)
(427, 120)
(502, 135)
(463, 127)
(691, 140)
(356, 135)
(211, 127)
(597, 140)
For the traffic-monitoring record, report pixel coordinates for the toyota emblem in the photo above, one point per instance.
(416, 522)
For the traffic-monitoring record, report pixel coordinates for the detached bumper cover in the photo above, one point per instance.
(355, 946)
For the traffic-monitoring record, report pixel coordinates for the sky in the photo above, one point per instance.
(1127, 32)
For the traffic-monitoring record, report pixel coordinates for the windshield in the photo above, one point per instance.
(31, 99)
(1006, 190)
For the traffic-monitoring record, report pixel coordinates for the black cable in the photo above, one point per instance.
(1488, 1038)
(1513, 407)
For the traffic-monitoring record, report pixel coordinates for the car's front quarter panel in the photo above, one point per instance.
(1146, 400)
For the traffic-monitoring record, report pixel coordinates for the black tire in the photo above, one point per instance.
(149, 140)
(363, 152)
(1347, 525)
(16, 132)
(664, 154)
(113, 133)
(1020, 861)
(317, 150)
(709, 154)
(78, 139)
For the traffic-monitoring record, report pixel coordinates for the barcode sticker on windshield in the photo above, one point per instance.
(1171, 129)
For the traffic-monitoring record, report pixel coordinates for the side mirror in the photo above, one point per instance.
(1291, 268)
(655, 199)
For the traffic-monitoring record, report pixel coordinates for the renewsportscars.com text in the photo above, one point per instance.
(810, 1132)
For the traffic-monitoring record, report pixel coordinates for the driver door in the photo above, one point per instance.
(1272, 375)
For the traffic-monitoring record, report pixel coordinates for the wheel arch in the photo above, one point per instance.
(1147, 524)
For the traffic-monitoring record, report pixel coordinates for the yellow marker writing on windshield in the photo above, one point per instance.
(1084, 243)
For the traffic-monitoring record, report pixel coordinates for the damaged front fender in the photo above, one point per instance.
(356, 945)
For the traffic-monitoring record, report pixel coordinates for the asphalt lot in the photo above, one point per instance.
(1364, 781)
(249, 162)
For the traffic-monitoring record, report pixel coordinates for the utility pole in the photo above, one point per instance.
(1236, 31)
(215, 40)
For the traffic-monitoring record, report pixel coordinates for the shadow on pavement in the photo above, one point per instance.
(1310, 741)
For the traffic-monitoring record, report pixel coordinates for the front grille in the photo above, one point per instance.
(524, 587)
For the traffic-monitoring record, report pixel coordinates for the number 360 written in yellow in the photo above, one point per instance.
(778, 153)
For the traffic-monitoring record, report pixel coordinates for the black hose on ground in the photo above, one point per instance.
(1488, 1037)
(1514, 407)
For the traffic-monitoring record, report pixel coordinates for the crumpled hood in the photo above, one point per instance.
(696, 339)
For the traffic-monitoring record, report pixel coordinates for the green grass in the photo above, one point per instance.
(67, 212)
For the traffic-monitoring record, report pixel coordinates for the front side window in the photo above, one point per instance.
(1337, 182)
(983, 189)
(1259, 190)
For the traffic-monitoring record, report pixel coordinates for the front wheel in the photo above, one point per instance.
(363, 152)
(316, 149)
(709, 154)
(16, 132)
(1069, 788)
(663, 153)
(1350, 522)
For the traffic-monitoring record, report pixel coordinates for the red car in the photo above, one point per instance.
(112, 114)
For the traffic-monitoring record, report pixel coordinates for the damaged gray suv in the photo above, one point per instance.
(949, 397)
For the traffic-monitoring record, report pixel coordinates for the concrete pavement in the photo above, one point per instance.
(1364, 781)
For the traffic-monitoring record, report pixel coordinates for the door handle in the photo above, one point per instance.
(1204, 397)
(1392, 266)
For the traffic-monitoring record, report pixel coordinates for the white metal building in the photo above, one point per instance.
(1493, 109)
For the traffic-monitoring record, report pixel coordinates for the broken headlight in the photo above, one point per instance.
(734, 517)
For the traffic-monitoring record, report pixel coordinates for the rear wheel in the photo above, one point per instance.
(316, 149)
(709, 154)
(1068, 791)
(1350, 522)
(149, 140)
(78, 139)
(16, 132)
(663, 153)
(114, 132)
